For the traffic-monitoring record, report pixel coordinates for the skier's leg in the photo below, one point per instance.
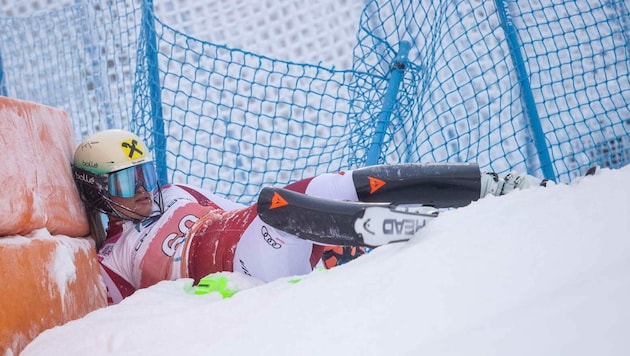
(337, 186)
(436, 184)
(441, 185)
(239, 241)
(267, 253)
(333, 222)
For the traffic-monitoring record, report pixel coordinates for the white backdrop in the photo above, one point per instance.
(310, 31)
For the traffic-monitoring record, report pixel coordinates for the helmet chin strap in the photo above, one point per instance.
(120, 215)
(157, 199)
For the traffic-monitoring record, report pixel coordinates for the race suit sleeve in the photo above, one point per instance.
(117, 287)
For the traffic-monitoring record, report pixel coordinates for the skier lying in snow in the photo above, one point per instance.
(157, 233)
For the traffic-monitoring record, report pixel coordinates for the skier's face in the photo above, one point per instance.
(137, 207)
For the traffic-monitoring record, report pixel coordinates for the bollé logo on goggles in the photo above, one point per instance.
(84, 177)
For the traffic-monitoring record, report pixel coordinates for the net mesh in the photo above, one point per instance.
(235, 95)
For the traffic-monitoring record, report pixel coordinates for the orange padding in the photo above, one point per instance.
(45, 281)
(36, 149)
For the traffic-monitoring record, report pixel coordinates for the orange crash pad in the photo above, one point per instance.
(46, 281)
(36, 150)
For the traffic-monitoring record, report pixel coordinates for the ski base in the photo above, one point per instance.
(334, 222)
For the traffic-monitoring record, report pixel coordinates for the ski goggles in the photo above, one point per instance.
(124, 183)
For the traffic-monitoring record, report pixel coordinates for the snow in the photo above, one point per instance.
(536, 272)
(62, 268)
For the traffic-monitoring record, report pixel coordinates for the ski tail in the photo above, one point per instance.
(334, 222)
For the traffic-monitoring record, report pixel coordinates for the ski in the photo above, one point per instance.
(450, 185)
(335, 222)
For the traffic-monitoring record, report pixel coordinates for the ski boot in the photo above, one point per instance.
(494, 184)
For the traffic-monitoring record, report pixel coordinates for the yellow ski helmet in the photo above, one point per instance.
(110, 151)
(112, 163)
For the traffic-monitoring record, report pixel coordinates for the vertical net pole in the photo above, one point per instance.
(397, 73)
(3, 88)
(159, 138)
(526, 89)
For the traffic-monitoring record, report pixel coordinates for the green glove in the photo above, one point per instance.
(213, 283)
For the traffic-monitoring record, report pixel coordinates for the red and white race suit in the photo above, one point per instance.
(200, 233)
